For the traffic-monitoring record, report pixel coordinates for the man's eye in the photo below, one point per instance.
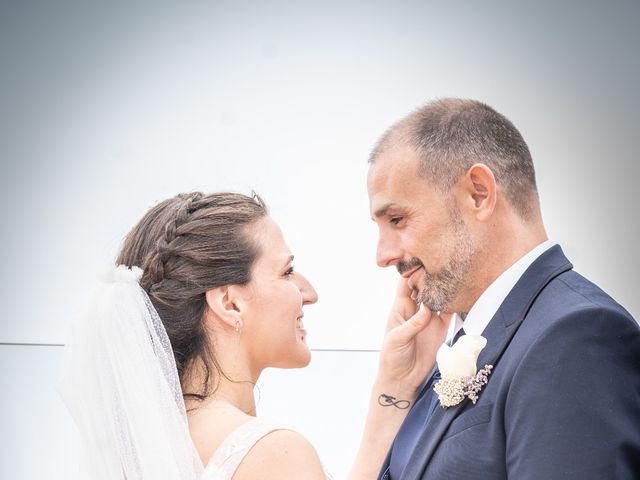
(395, 220)
(289, 271)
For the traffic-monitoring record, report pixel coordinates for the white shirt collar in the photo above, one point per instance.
(488, 303)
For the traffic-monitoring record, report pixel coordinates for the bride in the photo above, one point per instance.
(162, 365)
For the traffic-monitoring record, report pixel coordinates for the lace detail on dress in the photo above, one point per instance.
(225, 460)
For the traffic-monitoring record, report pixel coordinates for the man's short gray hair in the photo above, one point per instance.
(450, 135)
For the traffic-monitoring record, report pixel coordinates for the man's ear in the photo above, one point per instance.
(222, 302)
(480, 189)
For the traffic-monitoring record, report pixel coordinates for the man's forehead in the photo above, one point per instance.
(388, 193)
(397, 187)
(393, 165)
(396, 161)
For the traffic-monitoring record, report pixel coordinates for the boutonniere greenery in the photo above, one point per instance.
(460, 377)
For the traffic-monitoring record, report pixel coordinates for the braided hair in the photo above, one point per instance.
(185, 246)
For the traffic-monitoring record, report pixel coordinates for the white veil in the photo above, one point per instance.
(121, 385)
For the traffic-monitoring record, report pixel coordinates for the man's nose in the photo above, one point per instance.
(388, 253)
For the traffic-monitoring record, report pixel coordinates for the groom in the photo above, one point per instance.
(453, 191)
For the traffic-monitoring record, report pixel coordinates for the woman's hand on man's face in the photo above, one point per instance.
(412, 339)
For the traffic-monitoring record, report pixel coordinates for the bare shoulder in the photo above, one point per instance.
(281, 454)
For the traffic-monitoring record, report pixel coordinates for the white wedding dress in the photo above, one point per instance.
(226, 459)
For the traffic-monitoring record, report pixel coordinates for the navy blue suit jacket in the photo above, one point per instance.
(563, 399)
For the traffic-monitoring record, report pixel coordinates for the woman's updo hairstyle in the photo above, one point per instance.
(185, 246)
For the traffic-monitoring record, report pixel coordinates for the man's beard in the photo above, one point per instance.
(441, 287)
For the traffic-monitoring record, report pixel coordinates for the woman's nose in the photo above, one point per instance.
(309, 294)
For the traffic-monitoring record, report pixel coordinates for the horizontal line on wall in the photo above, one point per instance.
(24, 344)
(357, 350)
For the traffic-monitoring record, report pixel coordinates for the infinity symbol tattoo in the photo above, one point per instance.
(387, 400)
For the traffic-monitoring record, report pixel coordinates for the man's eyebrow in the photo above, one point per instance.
(382, 211)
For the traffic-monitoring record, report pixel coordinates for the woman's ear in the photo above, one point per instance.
(222, 302)
(480, 188)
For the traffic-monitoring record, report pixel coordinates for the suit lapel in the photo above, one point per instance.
(495, 333)
(498, 333)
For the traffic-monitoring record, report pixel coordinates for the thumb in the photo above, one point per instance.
(414, 325)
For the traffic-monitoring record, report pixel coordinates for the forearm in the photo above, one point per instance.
(408, 354)
(388, 406)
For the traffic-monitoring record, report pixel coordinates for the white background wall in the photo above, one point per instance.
(106, 109)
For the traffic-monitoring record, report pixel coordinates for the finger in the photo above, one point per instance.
(414, 325)
(404, 304)
(403, 289)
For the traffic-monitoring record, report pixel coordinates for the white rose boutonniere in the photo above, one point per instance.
(460, 376)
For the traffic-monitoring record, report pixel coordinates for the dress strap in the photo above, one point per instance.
(228, 456)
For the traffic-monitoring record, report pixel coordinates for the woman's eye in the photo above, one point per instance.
(289, 271)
